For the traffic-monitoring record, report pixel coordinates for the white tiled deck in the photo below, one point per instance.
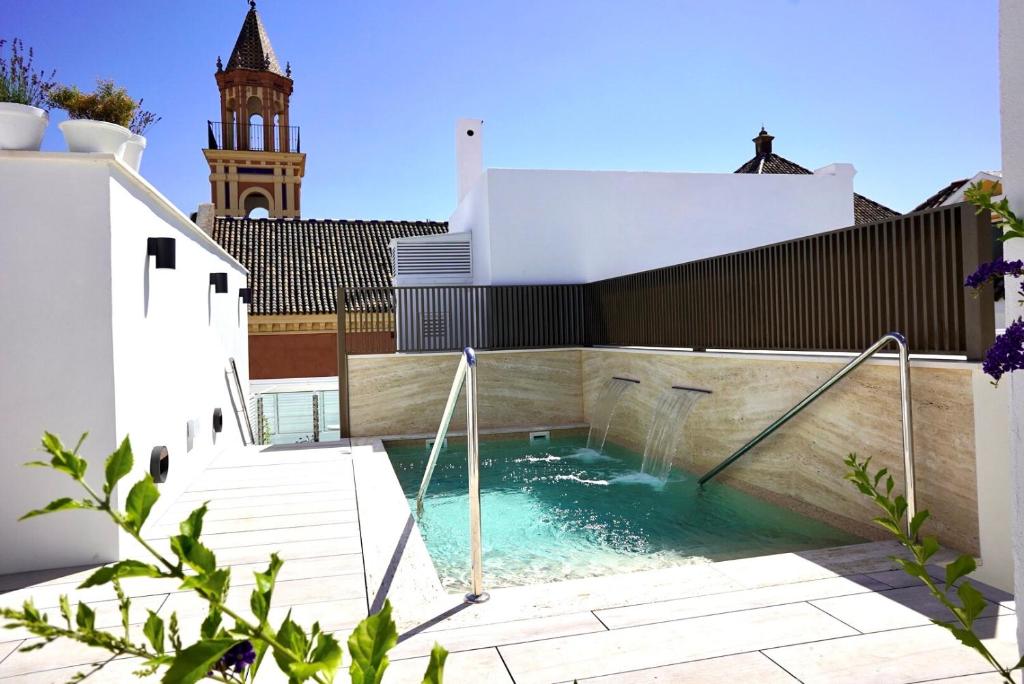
(337, 516)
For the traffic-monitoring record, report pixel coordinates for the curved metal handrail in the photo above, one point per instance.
(465, 375)
(908, 433)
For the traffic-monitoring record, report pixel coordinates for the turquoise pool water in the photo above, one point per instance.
(555, 510)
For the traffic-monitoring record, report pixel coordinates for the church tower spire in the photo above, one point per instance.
(254, 153)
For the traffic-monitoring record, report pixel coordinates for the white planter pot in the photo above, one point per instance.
(85, 135)
(22, 126)
(131, 154)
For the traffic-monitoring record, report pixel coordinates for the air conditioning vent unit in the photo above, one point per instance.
(433, 260)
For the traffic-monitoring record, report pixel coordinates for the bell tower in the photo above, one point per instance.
(255, 154)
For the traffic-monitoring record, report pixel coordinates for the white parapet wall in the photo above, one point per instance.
(97, 339)
(546, 227)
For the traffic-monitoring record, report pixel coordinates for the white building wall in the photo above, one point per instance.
(1011, 77)
(536, 227)
(97, 339)
(56, 354)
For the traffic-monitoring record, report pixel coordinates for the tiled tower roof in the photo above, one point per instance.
(253, 49)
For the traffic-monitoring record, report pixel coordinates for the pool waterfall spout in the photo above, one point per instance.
(604, 410)
(667, 421)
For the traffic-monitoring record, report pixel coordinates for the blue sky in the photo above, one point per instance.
(907, 91)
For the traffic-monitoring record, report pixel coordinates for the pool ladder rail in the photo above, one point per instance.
(465, 376)
(908, 432)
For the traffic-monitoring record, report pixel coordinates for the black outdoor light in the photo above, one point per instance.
(246, 294)
(219, 282)
(163, 249)
(159, 464)
(218, 420)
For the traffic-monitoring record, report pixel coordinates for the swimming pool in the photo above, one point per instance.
(554, 510)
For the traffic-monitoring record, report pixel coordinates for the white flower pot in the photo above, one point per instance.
(22, 126)
(131, 154)
(85, 135)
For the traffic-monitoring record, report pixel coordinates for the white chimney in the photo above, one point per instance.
(204, 217)
(469, 154)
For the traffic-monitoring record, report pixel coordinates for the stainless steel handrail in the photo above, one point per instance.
(907, 419)
(465, 375)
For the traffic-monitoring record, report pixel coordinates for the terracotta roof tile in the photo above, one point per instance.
(296, 266)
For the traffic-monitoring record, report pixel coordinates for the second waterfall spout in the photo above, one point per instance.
(670, 414)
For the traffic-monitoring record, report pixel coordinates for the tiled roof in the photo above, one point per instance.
(864, 210)
(252, 49)
(296, 266)
(942, 195)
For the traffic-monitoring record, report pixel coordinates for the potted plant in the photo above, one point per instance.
(133, 149)
(23, 97)
(104, 120)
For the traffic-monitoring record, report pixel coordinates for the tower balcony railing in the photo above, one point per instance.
(223, 135)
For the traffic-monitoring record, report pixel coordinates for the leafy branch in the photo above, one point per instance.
(971, 602)
(226, 652)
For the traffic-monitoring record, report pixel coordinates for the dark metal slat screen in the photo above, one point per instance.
(836, 291)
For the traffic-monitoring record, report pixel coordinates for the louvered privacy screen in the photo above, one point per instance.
(835, 291)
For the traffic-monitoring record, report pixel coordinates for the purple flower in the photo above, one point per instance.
(1007, 353)
(993, 271)
(239, 657)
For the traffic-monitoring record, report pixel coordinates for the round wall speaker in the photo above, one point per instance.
(218, 420)
(159, 463)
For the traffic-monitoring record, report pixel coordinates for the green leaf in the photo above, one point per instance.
(263, 593)
(140, 502)
(889, 484)
(79, 443)
(62, 504)
(194, 662)
(85, 618)
(929, 547)
(211, 624)
(193, 554)
(325, 658)
(369, 644)
(435, 668)
(963, 565)
(154, 631)
(889, 525)
(125, 568)
(212, 585)
(912, 568)
(65, 610)
(973, 602)
(118, 465)
(965, 636)
(192, 526)
(291, 636)
(879, 475)
(917, 521)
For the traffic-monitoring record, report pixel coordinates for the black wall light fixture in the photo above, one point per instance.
(219, 282)
(163, 249)
(159, 464)
(218, 420)
(245, 293)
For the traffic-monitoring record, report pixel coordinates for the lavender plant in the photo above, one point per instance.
(231, 646)
(966, 603)
(1007, 352)
(19, 81)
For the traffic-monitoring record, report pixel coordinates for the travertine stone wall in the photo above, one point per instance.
(800, 466)
(404, 394)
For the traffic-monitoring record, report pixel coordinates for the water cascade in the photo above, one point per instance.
(670, 413)
(604, 409)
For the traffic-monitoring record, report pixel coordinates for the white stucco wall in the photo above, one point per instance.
(97, 339)
(536, 226)
(1011, 83)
